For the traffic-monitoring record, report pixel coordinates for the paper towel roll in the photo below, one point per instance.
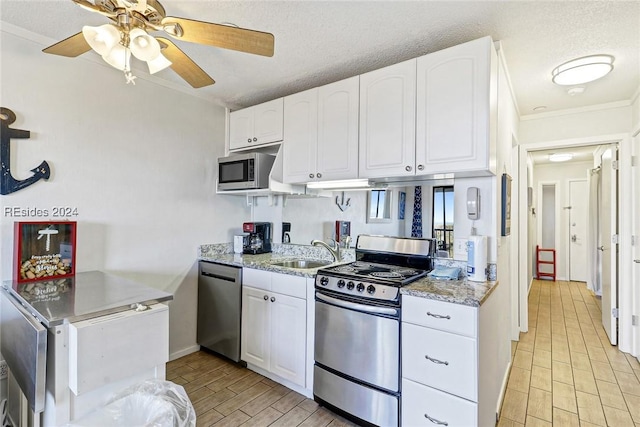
(477, 258)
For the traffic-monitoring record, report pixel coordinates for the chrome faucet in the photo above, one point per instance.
(334, 249)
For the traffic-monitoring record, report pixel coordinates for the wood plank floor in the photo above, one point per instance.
(565, 372)
(224, 394)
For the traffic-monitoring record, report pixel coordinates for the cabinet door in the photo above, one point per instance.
(240, 128)
(338, 106)
(255, 340)
(268, 122)
(387, 121)
(453, 109)
(301, 131)
(288, 337)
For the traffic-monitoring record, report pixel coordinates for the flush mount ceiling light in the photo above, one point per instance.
(560, 157)
(582, 70)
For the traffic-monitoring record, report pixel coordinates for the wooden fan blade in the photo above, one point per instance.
(183, 65)
(224, 36)
(71, 46)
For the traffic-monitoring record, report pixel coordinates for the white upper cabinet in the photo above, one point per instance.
(257, 125)
(301, 136)
(387, 121)
(321, 133)
(456, 110)
(338, 130)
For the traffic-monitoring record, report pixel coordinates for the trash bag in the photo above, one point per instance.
(151, 403)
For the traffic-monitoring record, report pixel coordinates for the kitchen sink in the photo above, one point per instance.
(301, 263)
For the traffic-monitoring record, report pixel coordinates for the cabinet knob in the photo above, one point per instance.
(266, 298)
(255, 139)
(436, 421)
(408, 168)
(273, 299)
(310, 175)
(249, 140)
(319, 175)
(420, 167)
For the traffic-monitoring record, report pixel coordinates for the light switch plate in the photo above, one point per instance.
(460, 249)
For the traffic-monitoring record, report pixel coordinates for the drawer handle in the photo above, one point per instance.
(435, 421)
(439, 362)
(438, 316)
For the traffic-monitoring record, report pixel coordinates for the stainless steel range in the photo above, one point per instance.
(357, 329)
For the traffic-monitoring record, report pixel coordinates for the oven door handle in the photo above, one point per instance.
(357, 307)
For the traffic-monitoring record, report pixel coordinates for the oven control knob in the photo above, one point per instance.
(324, 281)
(360, 287)
(371, 289)
(341, 283)
(350, 285)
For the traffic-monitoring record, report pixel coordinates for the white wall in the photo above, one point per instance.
(314, 218)
(579, 123)
(136, 161)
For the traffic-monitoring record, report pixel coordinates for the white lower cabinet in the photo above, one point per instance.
(274, 332)
(425, 406)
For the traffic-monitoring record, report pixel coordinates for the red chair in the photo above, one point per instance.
(541, 274)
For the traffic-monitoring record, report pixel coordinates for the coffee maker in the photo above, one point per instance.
(258, 241)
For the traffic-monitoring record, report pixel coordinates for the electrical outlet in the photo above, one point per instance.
(460, 249)
(3, 369)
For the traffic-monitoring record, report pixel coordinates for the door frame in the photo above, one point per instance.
(625, 288)
(556, 215)
(568, 234)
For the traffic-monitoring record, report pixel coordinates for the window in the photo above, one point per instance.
(442, 219)
(379, 206)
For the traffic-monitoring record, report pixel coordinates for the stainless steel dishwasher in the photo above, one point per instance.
(219, 308)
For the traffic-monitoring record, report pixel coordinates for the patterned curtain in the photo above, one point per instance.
(416, 223)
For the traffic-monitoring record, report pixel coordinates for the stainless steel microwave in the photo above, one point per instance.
(244, 171)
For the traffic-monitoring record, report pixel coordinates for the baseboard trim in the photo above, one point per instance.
(290, 385)
(503, 390)
(185, 351)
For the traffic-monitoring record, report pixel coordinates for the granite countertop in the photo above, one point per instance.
(83, 296)
(462, 291)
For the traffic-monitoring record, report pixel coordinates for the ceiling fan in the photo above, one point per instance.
(127, 34)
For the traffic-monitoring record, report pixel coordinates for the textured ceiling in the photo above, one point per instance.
(319, 42)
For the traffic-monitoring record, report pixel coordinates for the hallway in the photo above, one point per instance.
(565, 372)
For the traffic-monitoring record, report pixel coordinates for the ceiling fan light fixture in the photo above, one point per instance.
(118, 57)
(143, 46)
(158, 64)
(582, 70)
(101, 39)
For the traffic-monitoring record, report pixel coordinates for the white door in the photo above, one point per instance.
(578, 230)
(288, 337)
(338, 107)
(254, 337)
(301, 128)
(388, 121)
(609, 251)
(635, 274)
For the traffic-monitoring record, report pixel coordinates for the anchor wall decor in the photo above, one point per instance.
(8, 184)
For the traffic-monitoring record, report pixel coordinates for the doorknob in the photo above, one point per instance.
(601, 248)
(637, 261)
(574, 238)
